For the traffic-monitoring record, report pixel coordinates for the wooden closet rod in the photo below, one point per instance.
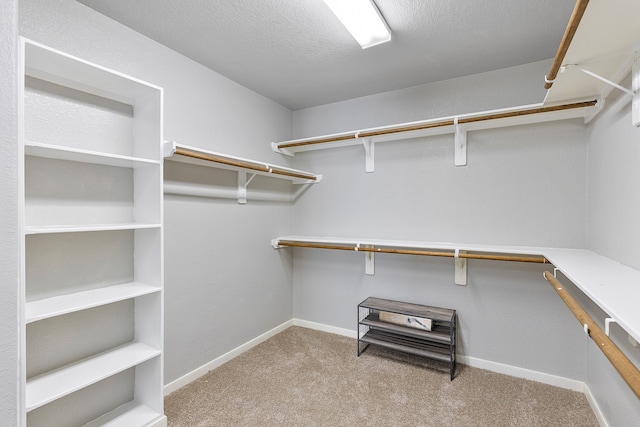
(572, 26)
(241, 164)
(448, 122)
(422, 252)
(623, 365)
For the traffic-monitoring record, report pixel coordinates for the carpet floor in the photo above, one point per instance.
(303, 377)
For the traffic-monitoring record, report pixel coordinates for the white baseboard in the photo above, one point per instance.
(595, 407)
(517, 372)
(325, 328)
(500, 368)
(197, 373)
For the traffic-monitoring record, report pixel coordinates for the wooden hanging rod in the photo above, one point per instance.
(572, 26)
(259, 167)
(435, 124)
(623, 365)
(422, 252)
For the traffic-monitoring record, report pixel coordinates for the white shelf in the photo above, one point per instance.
(604, 43)
(86, 156)
(614, 287)
(50, 229)
(412, 244)
(458, 125)
(127, 415)
(60, 68)
(64, 304)
(202, 157)
(54, 385)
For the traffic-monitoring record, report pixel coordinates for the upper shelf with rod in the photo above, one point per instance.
(599, 47)
(458, 125)
(186, 154)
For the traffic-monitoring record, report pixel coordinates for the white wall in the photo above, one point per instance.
(523, 185)
(9, 228)
(224, 284)
(614, 230)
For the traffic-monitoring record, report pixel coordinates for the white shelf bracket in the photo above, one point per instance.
(607, 322)
(168, 148)
(610, 320)
(369, 155)
(634, 91)
(460, 276)
(243, 182)
(602, 79)
(274, 147)
(369, 261)
(460, 139)
(635, 86)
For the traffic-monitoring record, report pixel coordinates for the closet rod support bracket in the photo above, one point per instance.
(608, 321)
(635, 86)
(460, 275)
(460, 141)
(243, 182)
(274, 147)
(369, 154)
(369, 262)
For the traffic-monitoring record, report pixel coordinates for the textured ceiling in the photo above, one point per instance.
(297, 53)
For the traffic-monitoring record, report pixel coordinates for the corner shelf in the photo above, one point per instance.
(605, 42)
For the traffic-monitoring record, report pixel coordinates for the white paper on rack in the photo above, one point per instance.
(406, 320)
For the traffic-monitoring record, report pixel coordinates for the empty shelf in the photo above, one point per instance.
(53, 385)
(64, 304)
(49, 229)
(202, 157)
(127, 415)
(85, 156)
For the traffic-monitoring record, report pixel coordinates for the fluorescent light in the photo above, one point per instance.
(362, 19)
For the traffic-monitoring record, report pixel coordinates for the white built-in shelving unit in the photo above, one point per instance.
(92, 266)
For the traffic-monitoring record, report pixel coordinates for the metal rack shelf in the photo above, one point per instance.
(438, 343)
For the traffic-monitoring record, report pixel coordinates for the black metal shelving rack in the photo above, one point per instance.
(439, 343)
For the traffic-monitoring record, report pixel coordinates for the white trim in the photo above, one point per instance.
(527, 374)
(325, 328)
(219, 361)
(595, 407)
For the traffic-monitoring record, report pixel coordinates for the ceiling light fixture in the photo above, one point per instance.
(363, 20)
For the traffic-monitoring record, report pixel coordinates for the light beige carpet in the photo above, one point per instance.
(303, 377)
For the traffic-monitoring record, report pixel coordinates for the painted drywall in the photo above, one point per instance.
(523, 185)
(614, 208)
(224, 285)
(9, 225)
